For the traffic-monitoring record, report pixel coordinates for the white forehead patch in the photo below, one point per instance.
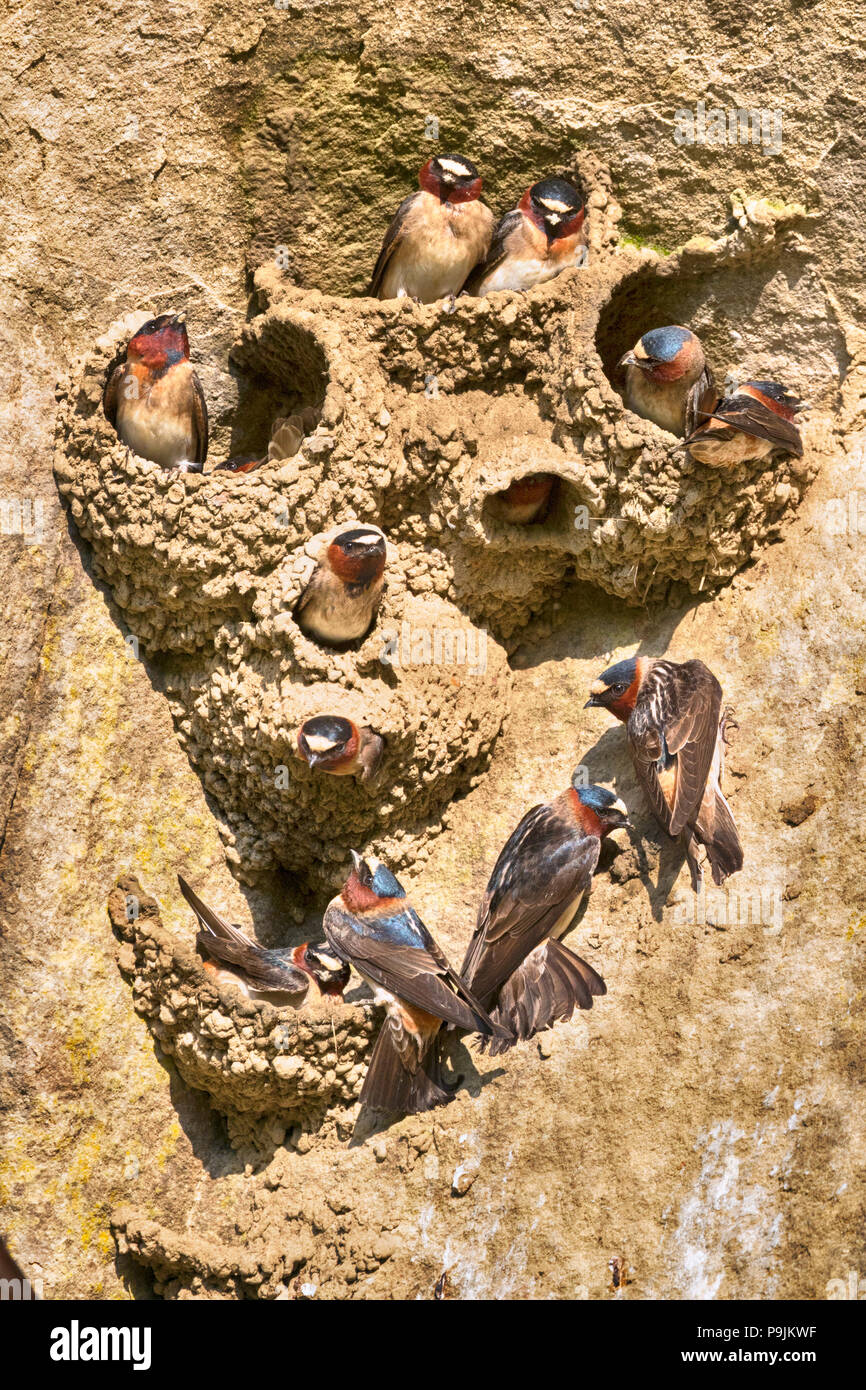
(369, 538)
(554, 205)
(454, 167)
(619, 806)
(319, 744)
(597, 688)
(329, 962)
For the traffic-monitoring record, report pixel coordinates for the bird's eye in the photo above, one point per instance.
(618, 689)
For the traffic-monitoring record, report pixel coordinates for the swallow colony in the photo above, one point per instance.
(517, 977)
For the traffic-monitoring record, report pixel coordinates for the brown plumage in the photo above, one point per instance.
(154, 399)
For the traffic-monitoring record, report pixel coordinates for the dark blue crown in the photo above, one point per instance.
(663, 344)
(623, 673)
(385, 885)
(599, 798)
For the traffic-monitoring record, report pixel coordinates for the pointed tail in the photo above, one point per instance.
(389, 1085)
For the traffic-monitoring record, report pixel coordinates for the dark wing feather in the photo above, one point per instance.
(678, 713)
(544, 990)
(701, 400)
(315, 583)
(111, 392)
(200, 422)
(545, 865)
(393, 237)
(411, 973)
(752, 417)
(497, 253)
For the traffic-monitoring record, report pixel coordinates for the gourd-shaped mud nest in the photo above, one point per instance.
(418, 419)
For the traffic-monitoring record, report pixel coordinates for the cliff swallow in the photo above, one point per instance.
(676, 733)
(544, 235)
(525, 500)
(437, 236)
(515, 963)
(333, 744)
(667, 379)
(287, 436)
(341, 599)
(372, 925)
(255, 969)
(750, 423)
(154, 399)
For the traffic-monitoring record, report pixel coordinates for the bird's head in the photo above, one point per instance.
(328, 741)
(616, 689)
(369, 884)
(667, 354)
(329, 973)
(160, 342)
(357, 555)
(602, 810)
(450, 178)
(777, 398)
(555, 206)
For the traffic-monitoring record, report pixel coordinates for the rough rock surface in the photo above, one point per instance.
(703, 1124)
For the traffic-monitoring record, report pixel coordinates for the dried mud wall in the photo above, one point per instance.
(163, 1136)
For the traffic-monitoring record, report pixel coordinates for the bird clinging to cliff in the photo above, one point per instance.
(756, 418)
(437, 236)
(544, 235)
(154, 399)
(676, 734)
(341, 599)
(372, 925)
(524, 501)
(515, 963)
(230, 955)
(332, 743)
(667, 379)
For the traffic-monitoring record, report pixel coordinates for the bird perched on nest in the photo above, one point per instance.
(231, 957)
(287, 436)
(544, 235)
(154, 398)
(676, 733)
(751, 422)
(340, 602)
(372, 926)
(667, 379)
(515, 963)
(334, 744)
(437, 236)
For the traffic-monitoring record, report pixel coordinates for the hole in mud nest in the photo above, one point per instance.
(756, 320)
(285, 374)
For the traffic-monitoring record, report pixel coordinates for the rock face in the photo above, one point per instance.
(700, 1128)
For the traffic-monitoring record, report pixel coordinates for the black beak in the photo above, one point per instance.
(592, 703)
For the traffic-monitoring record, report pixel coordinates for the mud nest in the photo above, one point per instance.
(253, 1059)
(418, 419)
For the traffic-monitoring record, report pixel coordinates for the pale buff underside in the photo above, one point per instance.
(441, 244)
(532, 263)
(333, 616)
(156, 421)
(662, 402)
(713, 449)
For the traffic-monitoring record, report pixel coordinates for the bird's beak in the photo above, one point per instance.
(357, 861)
(629, 360)
(181, 317)
(592, 703)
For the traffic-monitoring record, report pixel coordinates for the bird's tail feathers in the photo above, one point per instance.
(390, 1086)
(545, 989)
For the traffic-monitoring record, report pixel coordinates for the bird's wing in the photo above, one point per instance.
(753, 417)
(226, 942)
(312, 588)
(393, 237)
(412, 973)
(545, 989)
(678, 715)
(545, 865)
(497, 253)
(111, 392)
(701, 400)
(199, 421)
(370, 756)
